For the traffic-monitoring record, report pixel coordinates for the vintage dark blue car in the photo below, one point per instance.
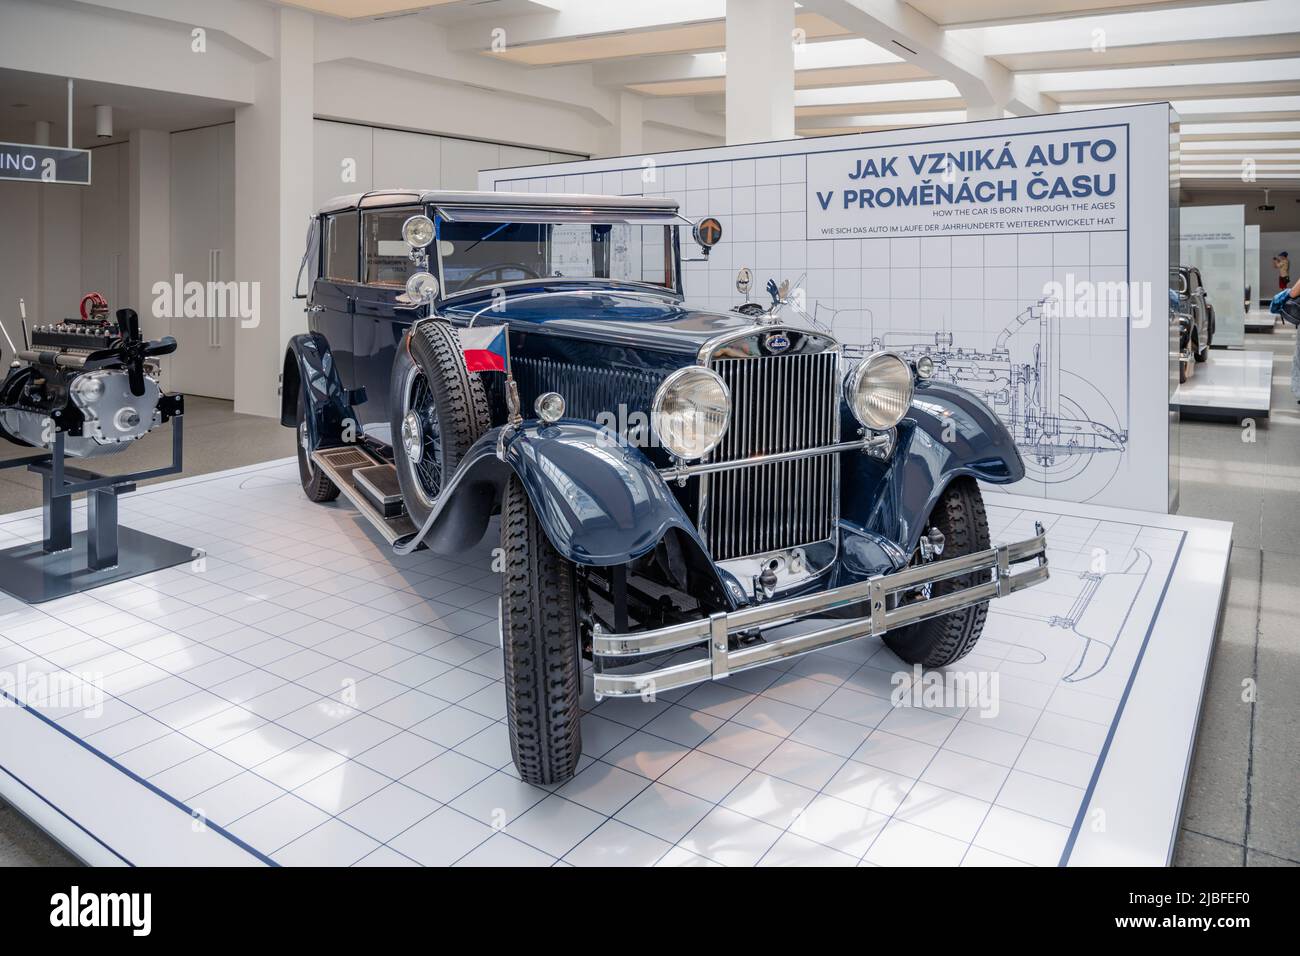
(683, 494)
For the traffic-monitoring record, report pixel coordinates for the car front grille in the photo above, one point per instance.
(779, 403)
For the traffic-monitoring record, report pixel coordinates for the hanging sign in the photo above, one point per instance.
(44, 164)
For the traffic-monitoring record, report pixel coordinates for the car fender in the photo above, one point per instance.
(308, 362)
(948, 433)
(599, 500)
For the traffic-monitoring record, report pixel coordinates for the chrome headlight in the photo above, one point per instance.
(418, 231)
(691, 411)
(880, 390)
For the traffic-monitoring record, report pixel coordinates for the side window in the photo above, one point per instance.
(341, 247)
(383, 250)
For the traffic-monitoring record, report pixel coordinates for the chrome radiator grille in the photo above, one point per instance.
(779, 403)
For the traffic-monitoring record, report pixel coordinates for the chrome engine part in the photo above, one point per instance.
(100, 396)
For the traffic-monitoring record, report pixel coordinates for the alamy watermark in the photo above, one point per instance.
(1077, 298)
(214, 299)
(974, 690)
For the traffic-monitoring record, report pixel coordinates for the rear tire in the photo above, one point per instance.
(959, 515)
(315, 485)
(543, 674)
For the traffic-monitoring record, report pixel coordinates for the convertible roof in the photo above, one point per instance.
(626, 205)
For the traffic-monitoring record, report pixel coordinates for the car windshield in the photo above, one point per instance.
(479, 254)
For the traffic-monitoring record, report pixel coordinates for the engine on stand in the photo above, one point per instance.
(93, 379)
(82, 388)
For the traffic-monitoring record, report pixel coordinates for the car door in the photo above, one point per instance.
(380, 320)
(334, 295)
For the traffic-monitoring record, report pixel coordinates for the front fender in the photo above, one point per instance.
(599, 499)
(311, 376)
(948, 433)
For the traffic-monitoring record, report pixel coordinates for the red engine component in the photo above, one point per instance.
(98, 305)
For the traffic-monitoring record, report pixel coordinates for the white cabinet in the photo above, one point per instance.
(203, 252)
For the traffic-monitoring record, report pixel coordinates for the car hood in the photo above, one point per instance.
(613, 316)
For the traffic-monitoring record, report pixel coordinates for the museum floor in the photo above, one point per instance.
(1241, 800)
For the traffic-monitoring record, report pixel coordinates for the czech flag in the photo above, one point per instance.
(485, 348)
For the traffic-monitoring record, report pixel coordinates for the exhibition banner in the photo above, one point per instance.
(1214, 240)
(1027, 257)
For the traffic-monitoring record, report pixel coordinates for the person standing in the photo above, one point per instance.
(1282, 263)
(1292, 316)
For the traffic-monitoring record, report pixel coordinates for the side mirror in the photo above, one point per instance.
(744, 281)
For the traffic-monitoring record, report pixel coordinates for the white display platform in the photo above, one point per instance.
(1230, 384)
(301, 696)
(1260, 320)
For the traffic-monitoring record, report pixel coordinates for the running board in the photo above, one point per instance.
(345, 466)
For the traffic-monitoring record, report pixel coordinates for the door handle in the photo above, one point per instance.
(315, 308)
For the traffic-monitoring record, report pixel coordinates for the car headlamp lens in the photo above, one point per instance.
(422, 287)
(880, 391)
(691, 411)
(418, 231)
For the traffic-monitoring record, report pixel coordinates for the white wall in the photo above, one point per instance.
(48, 259)
(380, 158)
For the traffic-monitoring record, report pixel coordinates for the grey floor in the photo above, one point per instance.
(1243, 796)
(1243, 803)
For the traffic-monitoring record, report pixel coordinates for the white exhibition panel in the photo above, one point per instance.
(940, 240)
(1229, 384)
(1214, 240)
(1250, 262)
(306, 697)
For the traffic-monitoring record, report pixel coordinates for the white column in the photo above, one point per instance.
(149, 207)
(760, 70)
(273, 201)
(630, 124)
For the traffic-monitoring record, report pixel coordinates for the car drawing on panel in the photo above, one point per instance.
(682, 494)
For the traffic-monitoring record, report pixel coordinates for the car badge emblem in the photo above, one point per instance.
(777, 342)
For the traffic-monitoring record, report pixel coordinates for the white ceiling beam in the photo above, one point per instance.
(873, 121)
(827, 54)
(1140, 27)
(987, 86)
(1270, 129)
(586, 18)
(1173, 76)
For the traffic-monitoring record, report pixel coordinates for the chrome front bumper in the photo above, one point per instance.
(719, 659)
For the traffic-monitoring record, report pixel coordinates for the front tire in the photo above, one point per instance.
(959, 515)
(543, 674)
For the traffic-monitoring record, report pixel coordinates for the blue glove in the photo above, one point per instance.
(1279, 300)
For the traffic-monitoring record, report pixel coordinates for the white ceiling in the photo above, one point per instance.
(28, 97)
(1231, 68)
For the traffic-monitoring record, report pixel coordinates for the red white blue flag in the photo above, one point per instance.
(485, 348)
